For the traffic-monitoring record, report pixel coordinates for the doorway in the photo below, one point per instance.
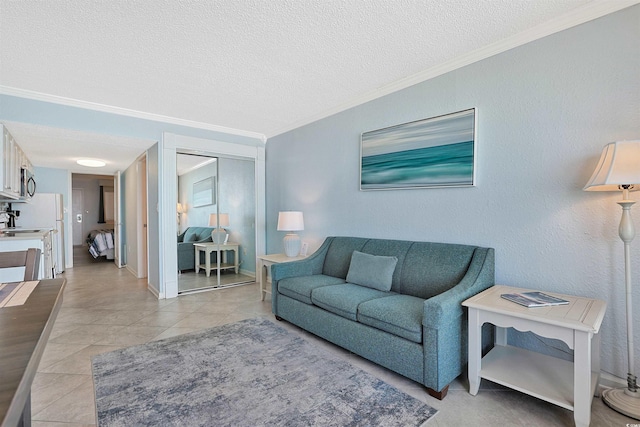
(92, 218)
(216, 217)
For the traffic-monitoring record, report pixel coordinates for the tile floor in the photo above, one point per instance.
(106, 308)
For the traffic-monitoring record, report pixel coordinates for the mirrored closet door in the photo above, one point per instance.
(216, 222)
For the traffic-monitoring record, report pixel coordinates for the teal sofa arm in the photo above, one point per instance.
(311, 265)
(445, 324)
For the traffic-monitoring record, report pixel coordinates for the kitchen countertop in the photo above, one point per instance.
(24, 331)
(24, 233)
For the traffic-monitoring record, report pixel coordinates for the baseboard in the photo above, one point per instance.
(611, 381)
(154, 291)
(132, 271)
(248, 273)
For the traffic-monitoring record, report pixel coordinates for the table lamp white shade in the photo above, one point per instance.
(219, 221)
(619, 170)
(291, 221)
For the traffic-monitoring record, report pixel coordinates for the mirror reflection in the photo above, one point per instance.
(216, 222)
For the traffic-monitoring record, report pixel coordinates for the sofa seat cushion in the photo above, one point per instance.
(344, 300)
(398, 314)
(300, 288)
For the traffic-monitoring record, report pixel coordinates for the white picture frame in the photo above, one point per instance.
(204, 192)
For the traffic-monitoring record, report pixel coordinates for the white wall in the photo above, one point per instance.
(130, 214)
(545, 110)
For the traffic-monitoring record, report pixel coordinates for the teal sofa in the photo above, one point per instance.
(417, 328)
(186, 251)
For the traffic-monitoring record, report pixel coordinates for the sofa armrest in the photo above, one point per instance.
(313, 264)
(445, 325)
(181, 236)
(442, 308)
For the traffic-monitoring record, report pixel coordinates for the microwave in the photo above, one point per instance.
(27, 184)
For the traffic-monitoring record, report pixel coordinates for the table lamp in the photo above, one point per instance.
(181, 209)
(291, 221)
(619, 170)
(219, 221)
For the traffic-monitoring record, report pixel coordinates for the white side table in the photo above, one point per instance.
(563, 383)
(264, 265)
(221, 248)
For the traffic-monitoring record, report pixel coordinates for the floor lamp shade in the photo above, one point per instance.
(619, 170)
(219, 221)
(291, 221)
(619, 166)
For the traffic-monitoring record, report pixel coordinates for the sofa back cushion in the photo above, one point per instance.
(338, 257)
(190, 235)
(433, 268)
(423, 270)
(196, 234)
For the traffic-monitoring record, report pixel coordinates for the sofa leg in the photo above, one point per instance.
(438, 394)
(279, 319)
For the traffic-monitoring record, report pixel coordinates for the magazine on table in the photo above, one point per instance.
(534, 299)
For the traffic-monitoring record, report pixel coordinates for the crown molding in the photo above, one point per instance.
(586, 13)
(69, 102)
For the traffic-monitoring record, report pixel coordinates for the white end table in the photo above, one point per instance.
(563, 383)
(264, 265)
(221, 248)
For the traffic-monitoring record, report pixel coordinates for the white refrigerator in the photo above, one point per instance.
(46, 211)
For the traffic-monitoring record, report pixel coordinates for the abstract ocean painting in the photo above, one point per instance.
(434, 152)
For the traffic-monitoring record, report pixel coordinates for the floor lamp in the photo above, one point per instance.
(619, 170)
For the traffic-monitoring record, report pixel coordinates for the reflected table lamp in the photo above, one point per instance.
(291, 221)
(619, 170)
(219, 221)
(181, 209)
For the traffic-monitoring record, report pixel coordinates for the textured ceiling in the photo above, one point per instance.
(262, 66)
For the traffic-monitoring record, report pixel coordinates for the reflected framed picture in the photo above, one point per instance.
(435, 152)
(204, 192)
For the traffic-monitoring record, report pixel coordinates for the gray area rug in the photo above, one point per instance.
(249, 373)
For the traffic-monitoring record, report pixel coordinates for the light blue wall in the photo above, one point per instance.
(545, 110)
(50, 180)
(237, 197)
(18, 109)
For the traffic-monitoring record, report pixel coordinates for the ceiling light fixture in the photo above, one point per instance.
(91, 163)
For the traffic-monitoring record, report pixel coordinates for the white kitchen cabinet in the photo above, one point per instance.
(12, 163)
